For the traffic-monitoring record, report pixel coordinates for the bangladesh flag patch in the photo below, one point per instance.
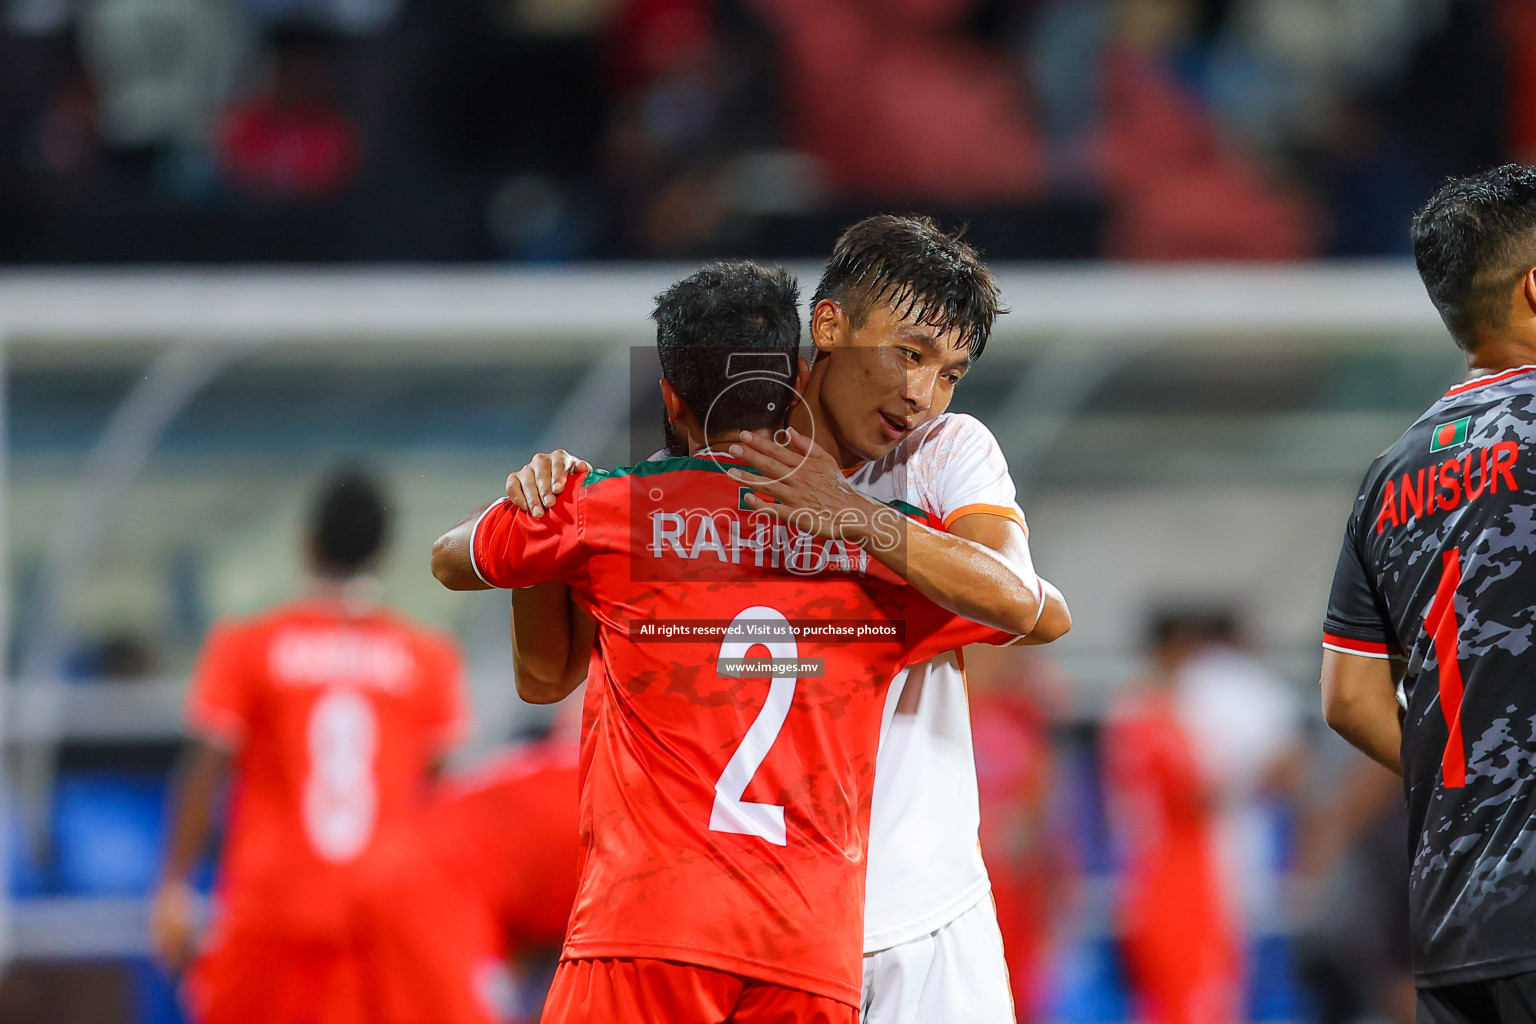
(1448, 435)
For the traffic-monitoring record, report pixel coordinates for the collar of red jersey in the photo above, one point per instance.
(709, 453)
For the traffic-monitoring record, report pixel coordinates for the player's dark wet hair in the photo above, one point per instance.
(349, 522)
(923, 273)
(729, 341)
(1473, 241)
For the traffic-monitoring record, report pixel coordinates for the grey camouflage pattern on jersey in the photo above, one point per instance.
(1472, 898)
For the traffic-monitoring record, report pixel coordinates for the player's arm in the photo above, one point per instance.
(453, 560)
(507, 547)
(1008, 542)
(1360, 704)
(1359, 684)
(531, 489)
(982, 571)
(551, 643)
(173, 910)
(551, 637)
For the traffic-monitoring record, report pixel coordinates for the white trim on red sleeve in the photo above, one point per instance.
(474, 562)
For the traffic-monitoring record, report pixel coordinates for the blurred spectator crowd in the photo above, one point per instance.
(546, 130)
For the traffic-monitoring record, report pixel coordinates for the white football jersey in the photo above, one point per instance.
(925, 866)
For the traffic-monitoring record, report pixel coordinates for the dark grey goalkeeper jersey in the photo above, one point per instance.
(1439, 569)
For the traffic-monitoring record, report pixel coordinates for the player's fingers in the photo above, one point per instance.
(757, 503)
(562, 464)
(518, 495)
(753, 457)
(756, 481)
(766, 442)
(798, 442)
(528, 477)
(766, 484)
(515, 493)
(543, 467)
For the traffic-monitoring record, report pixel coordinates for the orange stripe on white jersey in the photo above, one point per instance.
(1007, 512)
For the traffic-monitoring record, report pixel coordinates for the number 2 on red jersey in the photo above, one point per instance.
(730, 812)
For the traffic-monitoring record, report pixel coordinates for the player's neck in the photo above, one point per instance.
(808, 413)
(359, 594)
(719, 445)
(1497, 353)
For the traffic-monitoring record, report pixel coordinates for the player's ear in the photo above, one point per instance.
(829, 325)
(673, 401)
(1528, 290)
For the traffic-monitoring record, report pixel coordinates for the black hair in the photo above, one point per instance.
(1473, 240)
(349, 522)
(1199, 624)
(926, 275)
(728, 337)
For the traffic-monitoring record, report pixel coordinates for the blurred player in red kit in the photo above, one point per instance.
(489, 879)
(331, 713)
(1182, 949)
(1027, 857)
(725, 822)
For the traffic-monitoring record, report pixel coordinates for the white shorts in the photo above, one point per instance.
(956, 975)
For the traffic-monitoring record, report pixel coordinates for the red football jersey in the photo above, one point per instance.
(337, 714)
(724, 818)
(1182, 953)
(492, 873)
(509, 833)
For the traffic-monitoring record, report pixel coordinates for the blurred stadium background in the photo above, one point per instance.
(1198, 210)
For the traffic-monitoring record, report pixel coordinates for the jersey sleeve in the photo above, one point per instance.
(511, 548)
(959, 469)
(1356, 621)
(221, 702)
(445, 715)
(931, 630)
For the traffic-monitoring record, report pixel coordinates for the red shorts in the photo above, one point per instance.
(627, 991)
(251, 978)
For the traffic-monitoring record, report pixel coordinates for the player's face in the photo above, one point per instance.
(883, 379)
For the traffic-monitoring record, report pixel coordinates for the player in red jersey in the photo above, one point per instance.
(331, 712)
(490, 877)
(725, 821)
(900, 315)
(1182, 948)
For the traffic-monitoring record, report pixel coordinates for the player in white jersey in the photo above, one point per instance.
(894, 334)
